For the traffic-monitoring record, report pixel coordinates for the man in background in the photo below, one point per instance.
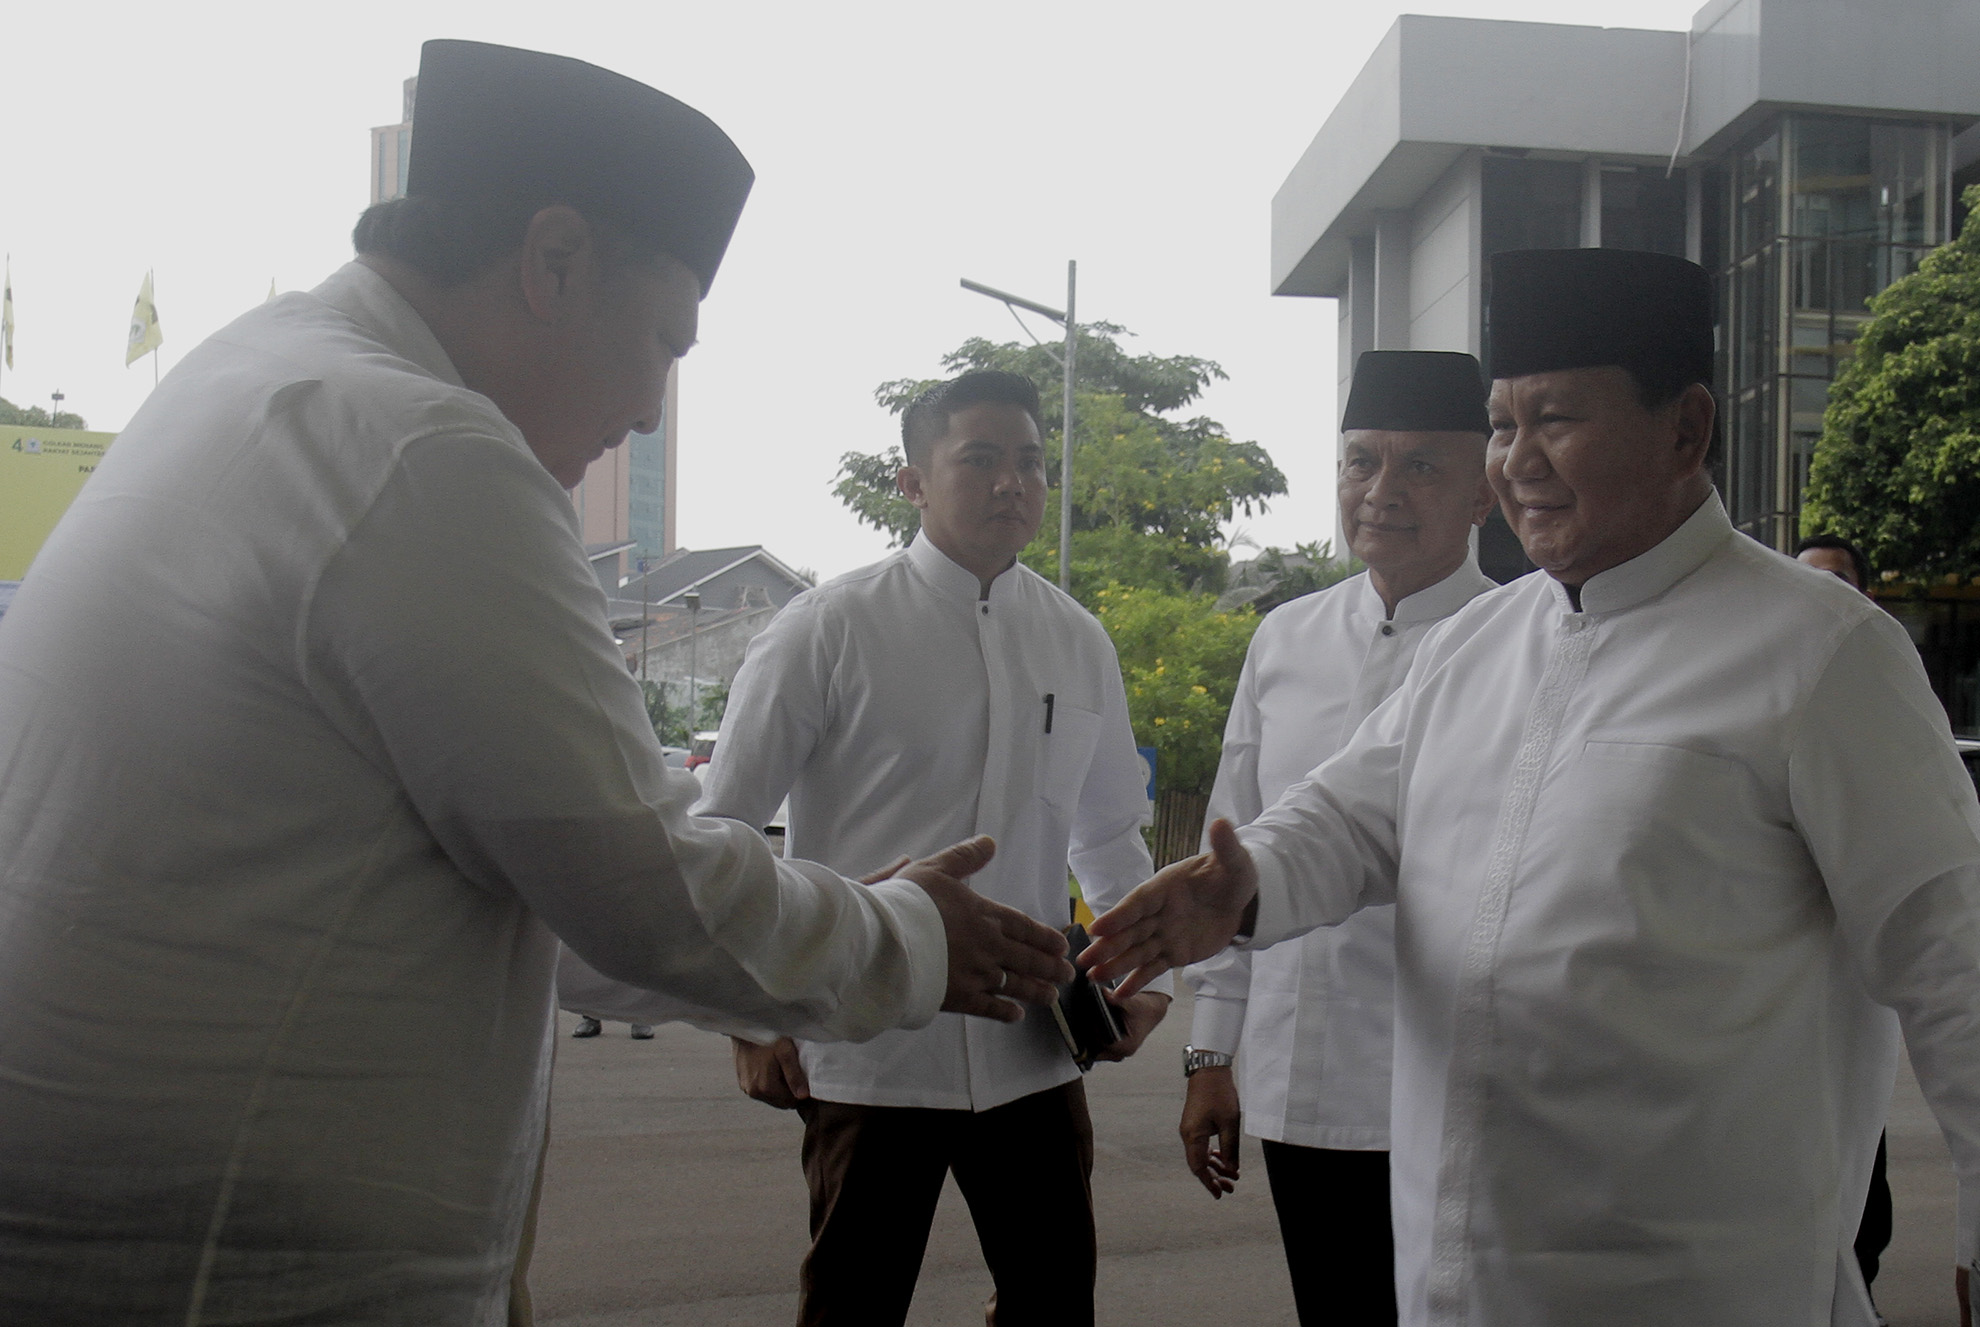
(946, 690)
(1310, 1022)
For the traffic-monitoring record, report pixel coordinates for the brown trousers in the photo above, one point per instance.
(875, 1173)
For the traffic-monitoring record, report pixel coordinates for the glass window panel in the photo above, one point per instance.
(1756, 194)
(1642, 210)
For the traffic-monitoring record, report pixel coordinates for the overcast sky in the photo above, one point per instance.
(898, 147)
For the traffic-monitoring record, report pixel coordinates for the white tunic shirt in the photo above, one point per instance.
(902, 712)
(1315, 1015)
(312, 733)
(1624, 844)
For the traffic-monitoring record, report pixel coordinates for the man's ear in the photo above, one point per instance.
(908, 480)
(557, 248)
(1696, 412)
(1484, 500)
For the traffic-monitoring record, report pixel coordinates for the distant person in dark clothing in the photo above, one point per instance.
(1845, 561)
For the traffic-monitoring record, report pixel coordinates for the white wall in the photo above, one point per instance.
(1444, 262)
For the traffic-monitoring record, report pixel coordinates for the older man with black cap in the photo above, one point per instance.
(1651, 820)
(1310, 1023)
(316, 741)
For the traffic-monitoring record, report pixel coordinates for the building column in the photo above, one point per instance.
(1357, 322)
(1391, 281)
(1591, 204)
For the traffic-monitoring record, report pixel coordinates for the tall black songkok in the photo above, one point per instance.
(1650, 313)
(494, 124)
(1416, 391)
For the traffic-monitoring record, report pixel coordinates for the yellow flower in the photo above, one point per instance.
(1160, 722)
(1201, 690)
(1159, 670)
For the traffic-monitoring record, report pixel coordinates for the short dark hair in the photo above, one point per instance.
(1856, 558)
(927, 416)
(451, 242)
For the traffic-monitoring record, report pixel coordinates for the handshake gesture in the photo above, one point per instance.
(999, 961)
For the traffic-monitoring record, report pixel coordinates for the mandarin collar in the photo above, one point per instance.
(951, 578)
(368, 300)
(1648, 575)
(1438, 601)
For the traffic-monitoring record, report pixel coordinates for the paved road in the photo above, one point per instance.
(671, 1199)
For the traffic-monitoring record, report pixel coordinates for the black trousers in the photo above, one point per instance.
(1873, 1233)
(875, 1172)
(1334, 1217)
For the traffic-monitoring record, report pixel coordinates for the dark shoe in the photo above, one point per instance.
(587, 1027)
(642, 1032)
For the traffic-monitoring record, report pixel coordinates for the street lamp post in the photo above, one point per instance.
(1066, 426)
(693, 601)
(58, 399)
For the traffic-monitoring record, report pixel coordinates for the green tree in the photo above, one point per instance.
(1276, 576)
(1151, 493)
(667, 710)
(1897, 470)
(34, 417)
(1180, 659)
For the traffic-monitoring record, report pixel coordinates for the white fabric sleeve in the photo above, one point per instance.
(1889, 814)
(778, 709)
(1328, 847)
(461, 632)
(1106, 852)
(1223, 984)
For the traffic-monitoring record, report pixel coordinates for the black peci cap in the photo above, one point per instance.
(498, 124)
(1416, 391)
(1582, 308)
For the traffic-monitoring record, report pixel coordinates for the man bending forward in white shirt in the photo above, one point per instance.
(945, 686)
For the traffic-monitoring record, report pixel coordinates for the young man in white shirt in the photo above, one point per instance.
(1310, 1023)
(945, 689)
(1654, 819)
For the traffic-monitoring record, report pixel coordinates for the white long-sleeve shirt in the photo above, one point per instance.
(901, 712)
(1314, 1016)
(1625, 845)
(313, 741)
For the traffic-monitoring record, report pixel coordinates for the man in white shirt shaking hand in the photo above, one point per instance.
(1653, 819)
(943, 692)
(1315, 1016)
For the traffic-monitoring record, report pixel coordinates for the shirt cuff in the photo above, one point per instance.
(919, 924)
(1275, 920)
(1218, 1025)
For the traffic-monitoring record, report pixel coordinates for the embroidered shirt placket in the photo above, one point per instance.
(1472, 1027)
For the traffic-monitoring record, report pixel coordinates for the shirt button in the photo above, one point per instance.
(1388, 629)
(986, 610)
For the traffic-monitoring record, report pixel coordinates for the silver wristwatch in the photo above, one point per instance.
(1195, 1058)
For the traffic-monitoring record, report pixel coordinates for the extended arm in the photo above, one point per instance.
(1890, 817)
(460, 633)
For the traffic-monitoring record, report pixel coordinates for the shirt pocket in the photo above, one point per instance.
(1065, 754)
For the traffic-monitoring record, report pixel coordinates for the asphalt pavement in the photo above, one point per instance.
(669, 1198)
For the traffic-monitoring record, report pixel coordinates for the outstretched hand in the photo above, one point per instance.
(998, 957)
(1188, 912)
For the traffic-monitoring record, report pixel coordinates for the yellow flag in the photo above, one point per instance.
(271, 289)
(145, 336)
(7, 316)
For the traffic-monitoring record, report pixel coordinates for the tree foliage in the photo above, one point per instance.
(34, 417)
(1276, 576)
(1897, 470)
(1180, 659)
